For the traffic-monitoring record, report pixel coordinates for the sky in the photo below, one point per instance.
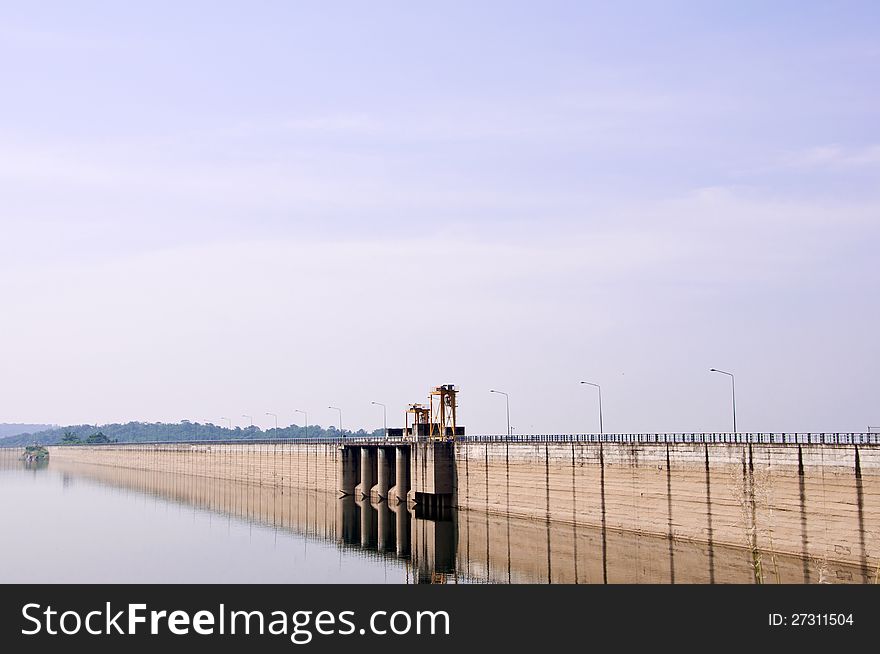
(220, 209)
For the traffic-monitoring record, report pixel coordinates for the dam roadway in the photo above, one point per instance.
(810, 503)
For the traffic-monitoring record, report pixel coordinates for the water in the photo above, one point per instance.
(82, 523)
(68, 528)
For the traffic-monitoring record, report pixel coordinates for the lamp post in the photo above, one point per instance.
(251, 418)
(384, 417)
(228, 421)
(336, 408)
(732, 391)
(507, 401)
(274, 415)
(601, 426)
(307, 419)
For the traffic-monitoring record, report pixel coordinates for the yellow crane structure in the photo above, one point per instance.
(421, 415)
(435, 420)
(443, 405)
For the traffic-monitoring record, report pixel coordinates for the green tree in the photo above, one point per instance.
(70, 439)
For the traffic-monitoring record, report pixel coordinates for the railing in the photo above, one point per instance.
(311, 440)
(768, 438)
(825, 438)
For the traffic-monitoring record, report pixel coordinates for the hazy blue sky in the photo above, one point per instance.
(210, 209)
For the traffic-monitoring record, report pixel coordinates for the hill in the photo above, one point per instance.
(14, 429)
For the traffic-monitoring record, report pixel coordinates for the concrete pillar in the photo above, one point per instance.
(401, 476)
(432, 474)
(348, 469)
(384, 465)
(368, 471)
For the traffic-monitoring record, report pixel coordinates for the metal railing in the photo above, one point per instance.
(758, 438)
(315, 440)
(762, 438)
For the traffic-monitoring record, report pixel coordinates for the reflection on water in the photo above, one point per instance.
(84, 523)
(428, 542)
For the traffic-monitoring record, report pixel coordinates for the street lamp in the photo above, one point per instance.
(601, 426)
(251, 418)
(228, 421)
(336, 408)
(732, 391)
(269, 413)
(507, 400)
(384, 417)
(307, 419)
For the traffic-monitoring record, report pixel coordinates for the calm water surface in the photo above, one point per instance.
(63, 527)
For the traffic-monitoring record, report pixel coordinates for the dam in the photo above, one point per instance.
(786, 508)
(562, 508)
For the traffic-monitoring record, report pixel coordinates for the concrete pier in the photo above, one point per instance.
(385, 464)
(349, 470)
(375, 472)
(432, 474)
(369, 463)
(402, 475)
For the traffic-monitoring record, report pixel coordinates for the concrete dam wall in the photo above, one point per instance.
(815, 504)
(303, 466)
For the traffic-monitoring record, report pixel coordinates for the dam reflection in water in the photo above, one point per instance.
(428, 541)
(477, 547)
(453, 547)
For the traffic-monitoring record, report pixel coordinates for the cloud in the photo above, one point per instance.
(30, 39)
(359, 123)
(835, 157)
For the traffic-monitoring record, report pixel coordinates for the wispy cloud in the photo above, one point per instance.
(834, 156)
(33, 38)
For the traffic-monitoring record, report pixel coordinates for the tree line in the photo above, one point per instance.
(140, 432)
